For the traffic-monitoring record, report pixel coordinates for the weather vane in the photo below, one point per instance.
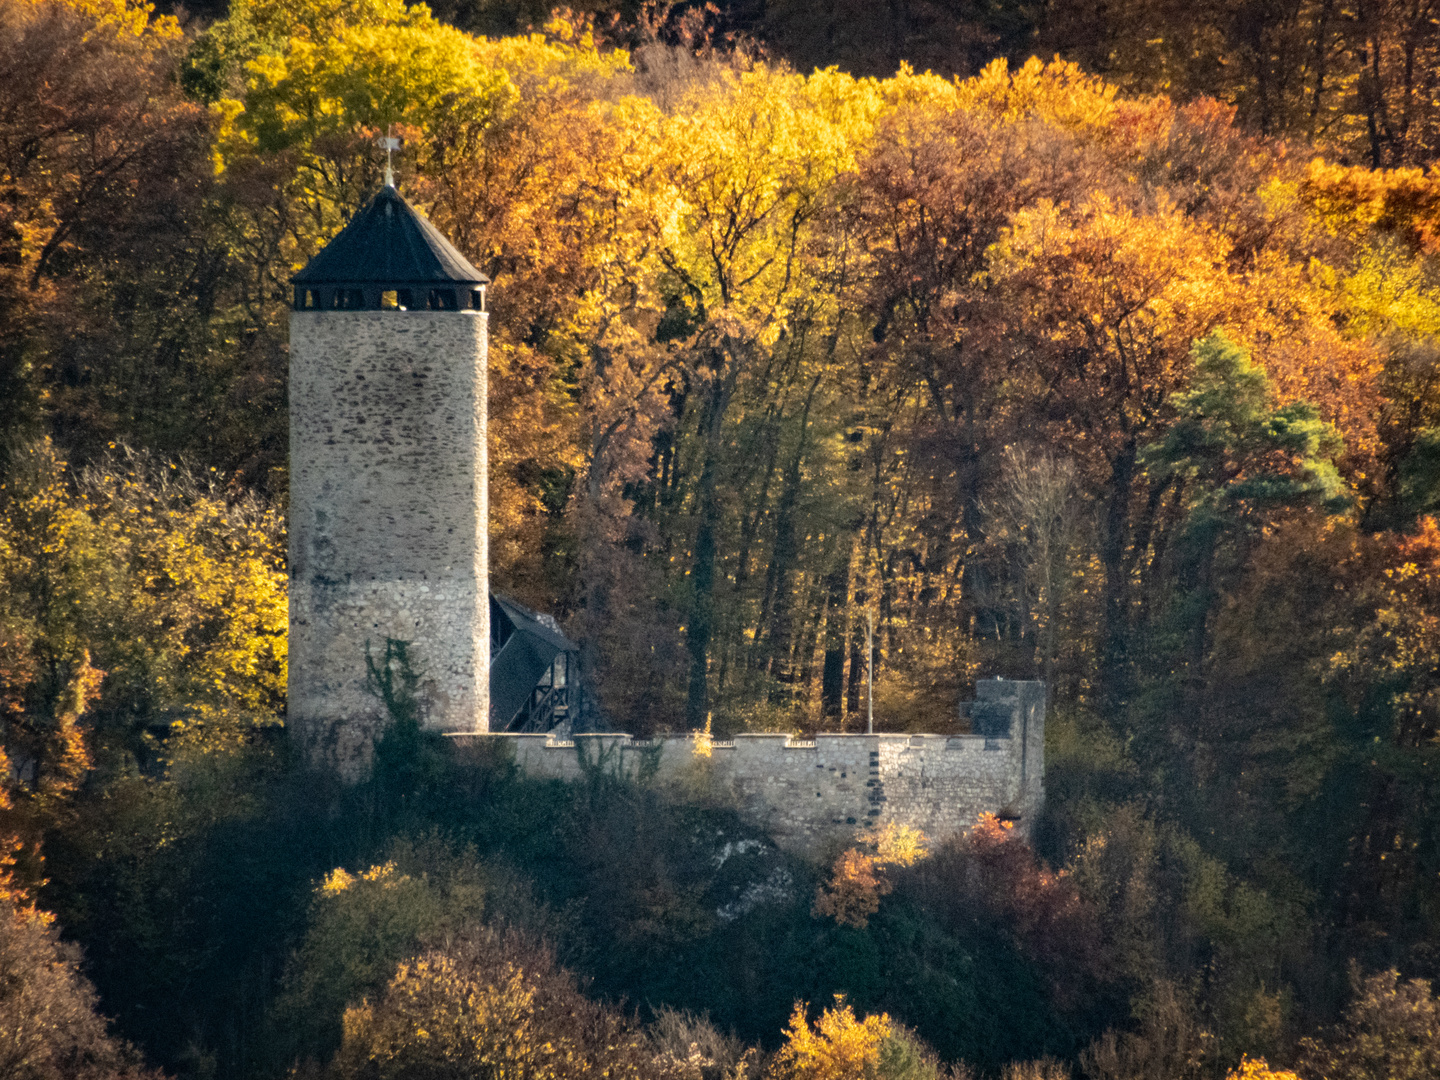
(389, 144)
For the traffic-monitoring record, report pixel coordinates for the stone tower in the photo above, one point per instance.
(388, 499)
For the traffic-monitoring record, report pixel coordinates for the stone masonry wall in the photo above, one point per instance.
(812, 796)
(388, 521)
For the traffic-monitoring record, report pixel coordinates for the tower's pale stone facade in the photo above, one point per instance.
(388, 497)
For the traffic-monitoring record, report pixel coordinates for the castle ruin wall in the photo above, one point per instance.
(815, 795)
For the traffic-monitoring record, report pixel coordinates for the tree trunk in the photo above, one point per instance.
(786, 554)
(1114, 657)
(1322, 64)
(1373, 94)
(804, 661)
(749, 529)
(856, 684)
(702, 570)
(837, 590)
(1197, 646)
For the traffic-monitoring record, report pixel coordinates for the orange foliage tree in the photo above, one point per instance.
(88, 114)
(858, 879)
(993, 876)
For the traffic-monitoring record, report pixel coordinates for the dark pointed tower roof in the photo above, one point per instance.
(388, 243)
(389, 249)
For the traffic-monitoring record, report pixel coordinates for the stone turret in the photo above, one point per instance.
(1014, 711)
(388, 494)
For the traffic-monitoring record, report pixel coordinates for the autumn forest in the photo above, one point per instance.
(1091, 343)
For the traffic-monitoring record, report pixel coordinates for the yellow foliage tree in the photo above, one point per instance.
(130, 594)
(840, 1046)
(899, 845)
(1259, 1069)
(438, 1013)
(316, 103)
(487, 1005)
